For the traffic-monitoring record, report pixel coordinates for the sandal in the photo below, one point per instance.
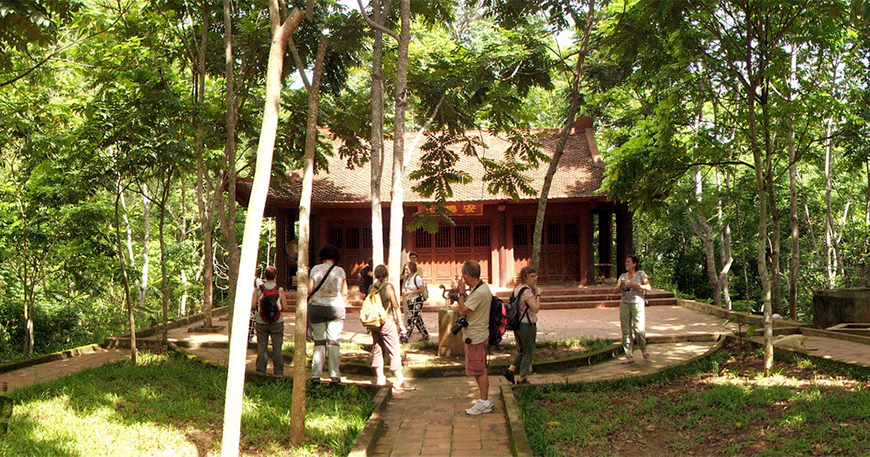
(646, 355)
(523, 381)
(627, 361)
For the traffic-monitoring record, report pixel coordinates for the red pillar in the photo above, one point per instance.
(605, 238)
(503, 270)
(587, 265)
(281, 224)
(624, 237)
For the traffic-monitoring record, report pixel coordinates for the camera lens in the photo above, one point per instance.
(468, 341)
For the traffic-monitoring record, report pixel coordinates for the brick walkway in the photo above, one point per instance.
(432, 421)
(48, 371)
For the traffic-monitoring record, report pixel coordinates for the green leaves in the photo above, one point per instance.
(440, 170)
(30, 23)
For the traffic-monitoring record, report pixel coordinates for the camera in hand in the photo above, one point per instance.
(461, 322)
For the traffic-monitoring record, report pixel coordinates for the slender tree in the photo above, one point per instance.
(282, 29)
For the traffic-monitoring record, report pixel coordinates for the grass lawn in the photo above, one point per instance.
(171, 406)
(721, 405)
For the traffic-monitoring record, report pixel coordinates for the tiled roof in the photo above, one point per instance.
(579, 174)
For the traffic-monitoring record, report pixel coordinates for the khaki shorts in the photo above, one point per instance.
(475, 359)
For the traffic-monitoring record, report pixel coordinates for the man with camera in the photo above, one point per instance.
(474, 308)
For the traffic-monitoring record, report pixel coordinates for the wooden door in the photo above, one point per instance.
(442, 254)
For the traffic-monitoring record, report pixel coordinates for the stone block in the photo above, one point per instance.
(449, 345)
(838, 306)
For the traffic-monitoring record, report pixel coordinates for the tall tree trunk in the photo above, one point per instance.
(248, 261)
(300, 372)
(794, 227)
(775, 253)
(724, 244)
(27, 289)
(146, 248)
(830, 230)
(202, 202)
(25, 275)
(164, 275)
(773, 211)
(397, 197)
(228, 205)
(761, 180)
(182, 235)
(377, 137)
(867, 199)
(563, 139)
(866, 269)
(122, 263)
(704, 230)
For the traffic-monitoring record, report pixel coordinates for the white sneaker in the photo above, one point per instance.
(480, 407)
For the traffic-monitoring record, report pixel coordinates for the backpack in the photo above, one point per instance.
(270, 311)
(513, 311)
(373, 313)
(498, 320)
(425, 289)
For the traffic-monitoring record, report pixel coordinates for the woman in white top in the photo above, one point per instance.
(412, 293)
(327, 285)
(633, 285)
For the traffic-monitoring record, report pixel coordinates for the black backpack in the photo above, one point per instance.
(512, 309)
(270, 311)
(498, 320)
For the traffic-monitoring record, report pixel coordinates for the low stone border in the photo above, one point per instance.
(738, 317)
(181, 322)
(781, 350)
(519, 439)
(458, 368)
(374, 428)
(116, 342)
(835, 335)
(75, 352)
(780, 326)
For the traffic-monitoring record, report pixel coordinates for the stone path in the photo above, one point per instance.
(431, 420)
(44, 372)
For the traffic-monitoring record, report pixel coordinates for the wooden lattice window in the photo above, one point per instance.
(521, 235)
(463, 236)
(481, 235)
(336, 237)
(353, 238)
(442, 238)
(367, 238)
(554, 234)
(423, 239)
(572, 234)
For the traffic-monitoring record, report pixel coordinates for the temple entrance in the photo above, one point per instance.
(560, 249)
(442, 254)
(354, 241)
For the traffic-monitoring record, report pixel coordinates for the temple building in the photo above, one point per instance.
(578, 239)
